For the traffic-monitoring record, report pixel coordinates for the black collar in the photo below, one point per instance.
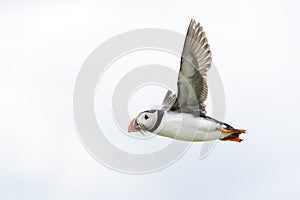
(160, 114)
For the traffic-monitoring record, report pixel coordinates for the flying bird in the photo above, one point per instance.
(183, 117)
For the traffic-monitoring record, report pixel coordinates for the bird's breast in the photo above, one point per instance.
(187, 127)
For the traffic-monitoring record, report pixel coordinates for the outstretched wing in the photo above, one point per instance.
(195, 62)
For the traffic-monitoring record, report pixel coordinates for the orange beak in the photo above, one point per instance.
(131, 127)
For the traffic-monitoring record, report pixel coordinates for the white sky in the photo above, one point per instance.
(255, 46)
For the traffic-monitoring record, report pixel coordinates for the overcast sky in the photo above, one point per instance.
(255, 46)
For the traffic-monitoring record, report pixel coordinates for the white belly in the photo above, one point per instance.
(186, 127)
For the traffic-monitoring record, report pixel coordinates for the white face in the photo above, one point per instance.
(147, 119)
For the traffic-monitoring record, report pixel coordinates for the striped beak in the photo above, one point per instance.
(133, 126)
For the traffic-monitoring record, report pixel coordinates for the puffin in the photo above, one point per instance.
(183, 116)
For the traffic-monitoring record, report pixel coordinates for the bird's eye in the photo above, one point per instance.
(146, 117)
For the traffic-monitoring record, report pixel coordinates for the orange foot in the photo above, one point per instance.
(224, 130)
(232, 138)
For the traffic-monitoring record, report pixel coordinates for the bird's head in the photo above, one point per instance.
(145, 121)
